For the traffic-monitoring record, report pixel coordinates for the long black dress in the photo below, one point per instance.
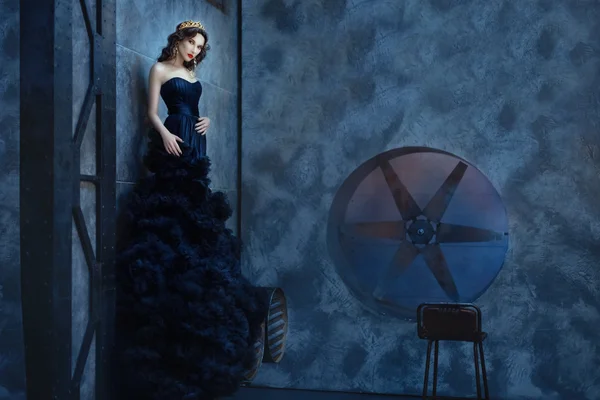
(186, 317)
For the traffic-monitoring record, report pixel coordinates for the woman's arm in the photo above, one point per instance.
(170, 141)
(154, 83)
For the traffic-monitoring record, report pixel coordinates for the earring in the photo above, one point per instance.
(195, 64)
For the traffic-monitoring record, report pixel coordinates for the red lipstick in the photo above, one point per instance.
(190, 56)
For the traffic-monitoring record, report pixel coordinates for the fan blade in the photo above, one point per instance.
(407, 206)
(450, 233)
(393, 230)
(439, 267)
(403, 258)
(437, 206)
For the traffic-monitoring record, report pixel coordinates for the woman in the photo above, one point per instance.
(187, 319)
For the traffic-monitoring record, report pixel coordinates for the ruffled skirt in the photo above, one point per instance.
(186, 317)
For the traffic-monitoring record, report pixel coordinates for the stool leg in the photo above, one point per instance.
(483, 372)
(426, 382)
(477, 370)
(435, 367)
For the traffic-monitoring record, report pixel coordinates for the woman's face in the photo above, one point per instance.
(190, 47)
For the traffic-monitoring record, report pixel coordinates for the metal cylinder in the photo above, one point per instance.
(276, 326)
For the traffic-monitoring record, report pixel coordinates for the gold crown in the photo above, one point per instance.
(190, 24)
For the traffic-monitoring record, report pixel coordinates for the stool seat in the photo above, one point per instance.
(452, 322)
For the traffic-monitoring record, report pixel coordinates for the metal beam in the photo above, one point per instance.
(240, 148)
(106, 201)
(46, 194)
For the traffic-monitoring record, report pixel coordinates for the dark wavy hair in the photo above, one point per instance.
(174, 38)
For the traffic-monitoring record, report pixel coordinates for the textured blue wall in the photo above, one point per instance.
(12, 367)
(510, 86)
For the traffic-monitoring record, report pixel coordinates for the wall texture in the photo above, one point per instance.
(512, 87)
(142, 30)
(12, 367)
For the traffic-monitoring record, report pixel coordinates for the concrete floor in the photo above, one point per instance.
(254, 393)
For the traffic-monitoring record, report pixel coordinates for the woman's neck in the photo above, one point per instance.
(177, 61)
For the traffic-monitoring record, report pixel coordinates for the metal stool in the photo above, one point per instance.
(454, 322)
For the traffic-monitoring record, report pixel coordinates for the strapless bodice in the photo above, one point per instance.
(181, 96)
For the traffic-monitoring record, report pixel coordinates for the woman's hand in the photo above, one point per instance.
(171, 146)
(202, 125)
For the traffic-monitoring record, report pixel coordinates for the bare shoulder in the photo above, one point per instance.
(158, 71)
(160, 66)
